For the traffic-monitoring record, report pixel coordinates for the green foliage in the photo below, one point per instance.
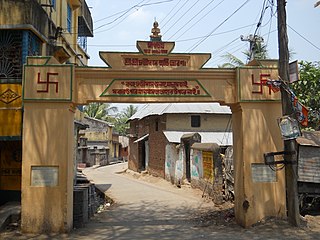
(231, 61)
(120, 123)
(307, 90)
(259, 51)
(99, 110)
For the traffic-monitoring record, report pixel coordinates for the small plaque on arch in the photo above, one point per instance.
(44, 176)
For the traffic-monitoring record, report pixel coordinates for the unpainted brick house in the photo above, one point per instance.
(158, 132)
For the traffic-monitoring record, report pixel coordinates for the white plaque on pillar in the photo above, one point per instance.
(262, 173)
(44, 176)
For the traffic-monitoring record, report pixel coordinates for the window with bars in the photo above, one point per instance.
(82, 41)
(15, 46)
(69, 18)
(195, 121)
(53, 3)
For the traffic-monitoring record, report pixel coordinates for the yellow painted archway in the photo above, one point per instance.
(153, 74)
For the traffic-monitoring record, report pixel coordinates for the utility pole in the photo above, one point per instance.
(287, 109)
(253, 40)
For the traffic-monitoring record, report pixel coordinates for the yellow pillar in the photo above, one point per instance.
(47, 169)
(47, 148)
(259, 191)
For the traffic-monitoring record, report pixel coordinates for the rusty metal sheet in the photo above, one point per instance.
(309, 138)
(309, 164)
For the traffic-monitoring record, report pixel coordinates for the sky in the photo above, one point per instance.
(203, 26)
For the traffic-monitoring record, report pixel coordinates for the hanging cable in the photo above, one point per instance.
(192, 18)
(200, 19)
(127, 11)
(175, 13)
(162, 20)
(192, 6)
(139, 5)
(304, 37)
(271, 17)
(206, 37)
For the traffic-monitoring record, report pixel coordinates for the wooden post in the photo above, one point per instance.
(289, 145)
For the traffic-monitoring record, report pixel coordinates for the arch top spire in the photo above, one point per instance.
(155, 36)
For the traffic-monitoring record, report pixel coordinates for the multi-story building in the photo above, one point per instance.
(102, 142)
(56, 28)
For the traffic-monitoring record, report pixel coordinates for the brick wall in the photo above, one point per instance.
(154, 126)
(157, 145)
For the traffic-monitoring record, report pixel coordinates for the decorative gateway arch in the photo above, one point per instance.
(153, 74)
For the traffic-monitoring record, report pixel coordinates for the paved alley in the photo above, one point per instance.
(151, 208)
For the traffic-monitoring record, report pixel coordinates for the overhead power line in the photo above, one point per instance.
(162, 20)
(216, 34)
(208, 35)
(200, 19)
(125, 12)
(192, 6)
(304, 37)
(192, 18)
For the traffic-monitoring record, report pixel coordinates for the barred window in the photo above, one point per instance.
(195, 121)
(69, 18)
(53, 3)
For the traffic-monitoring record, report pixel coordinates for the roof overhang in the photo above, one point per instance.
(221, 138)
(142, 138)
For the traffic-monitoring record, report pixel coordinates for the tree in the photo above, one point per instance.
(307, 90)
(99, 110)
(120, 122)
(258, 50)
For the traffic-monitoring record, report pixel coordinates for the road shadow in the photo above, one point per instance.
(103, 187)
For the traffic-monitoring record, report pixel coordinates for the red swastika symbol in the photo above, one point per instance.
(47, 82)
(263, 82)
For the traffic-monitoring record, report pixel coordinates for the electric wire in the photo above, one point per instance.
(126, 12)
(271, 17)
(200, 19)
(184, 40)
(114, 20)
(163, 26)
(311, 43)
(162, 20)
(115, 14)
(264, 8)
(214, 53)
(192, 6)
(216, 34)
(192, 18)
(224, 21)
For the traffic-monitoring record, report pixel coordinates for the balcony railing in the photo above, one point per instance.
(85, 23)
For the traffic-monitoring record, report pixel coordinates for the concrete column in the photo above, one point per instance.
(47, 167)
(259, 192)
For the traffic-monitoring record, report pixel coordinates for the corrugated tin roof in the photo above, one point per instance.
(309, 138)
(205, 146)
(140, 139)
(221, 138)
(164, 108)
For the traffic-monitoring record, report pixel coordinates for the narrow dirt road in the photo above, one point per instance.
(151, 208)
